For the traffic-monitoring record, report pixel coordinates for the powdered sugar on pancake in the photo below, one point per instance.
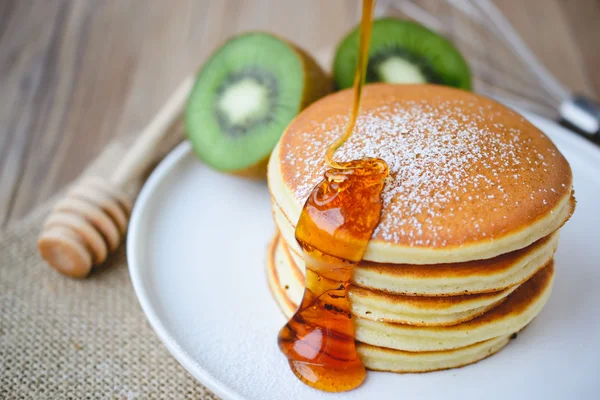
(452, 163)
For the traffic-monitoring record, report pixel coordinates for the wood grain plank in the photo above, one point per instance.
(6, 9)
(499, 72)
(51, 131)
(117, 62)
(583, 17)
(76, 73)
(26, 50)
(543, 26)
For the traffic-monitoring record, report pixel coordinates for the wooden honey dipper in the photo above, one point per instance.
(90, 222)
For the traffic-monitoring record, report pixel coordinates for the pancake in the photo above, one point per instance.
(422, 311)
(385, 359)
(382, 359)
(287, 286)
(508, 317)
(448, 279)
(469, 178)
(380, 306)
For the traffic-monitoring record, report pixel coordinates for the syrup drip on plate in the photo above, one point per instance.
(334, 229)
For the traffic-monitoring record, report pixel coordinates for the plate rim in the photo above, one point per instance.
(171, 161)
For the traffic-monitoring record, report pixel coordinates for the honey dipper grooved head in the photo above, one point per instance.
(84, 227)
(63, 249)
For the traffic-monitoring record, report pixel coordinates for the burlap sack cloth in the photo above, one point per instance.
(79, 339)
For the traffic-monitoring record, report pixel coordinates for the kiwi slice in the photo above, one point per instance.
(244, 97)
(403, 52)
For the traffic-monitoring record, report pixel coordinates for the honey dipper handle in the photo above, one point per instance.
(143, 151)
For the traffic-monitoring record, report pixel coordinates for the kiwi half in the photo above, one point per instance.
(244, 97)
(403, 52)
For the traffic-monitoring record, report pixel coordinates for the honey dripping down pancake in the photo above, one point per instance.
(334, 229)
(469, 178)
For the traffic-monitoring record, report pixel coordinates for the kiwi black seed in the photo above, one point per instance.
(244, 97)
(403, 52)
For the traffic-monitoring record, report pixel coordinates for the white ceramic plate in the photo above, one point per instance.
(196, 251)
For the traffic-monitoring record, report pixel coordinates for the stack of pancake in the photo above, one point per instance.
(462, 258)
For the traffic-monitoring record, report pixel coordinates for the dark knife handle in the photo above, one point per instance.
(582, 115)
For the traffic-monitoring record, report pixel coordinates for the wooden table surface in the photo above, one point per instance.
(76, 73)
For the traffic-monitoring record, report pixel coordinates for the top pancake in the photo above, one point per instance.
(469, 178)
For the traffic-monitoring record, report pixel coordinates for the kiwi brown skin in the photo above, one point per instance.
(317, 83)
(257, 171)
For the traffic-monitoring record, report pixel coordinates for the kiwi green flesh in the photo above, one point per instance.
(403, 52)
(243, 99)
(395, 65)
